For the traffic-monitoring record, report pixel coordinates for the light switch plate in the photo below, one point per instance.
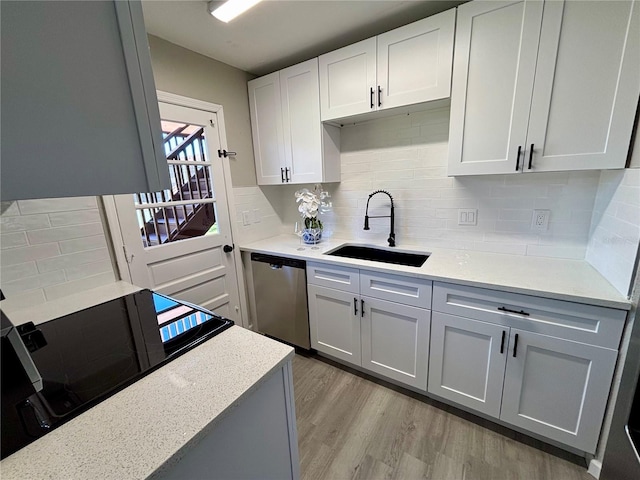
(256, 215)
(246, 219)
(467, 216)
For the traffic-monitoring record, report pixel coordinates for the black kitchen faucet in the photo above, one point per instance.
(392, 235)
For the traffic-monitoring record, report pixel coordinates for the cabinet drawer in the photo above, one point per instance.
(396, 288)
(573, 321)
(332, 276)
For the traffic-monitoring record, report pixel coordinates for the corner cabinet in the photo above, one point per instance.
(376, 321)
(542, 365)
(543, 86)
(290, 143)
(79, 106)
(405, 66)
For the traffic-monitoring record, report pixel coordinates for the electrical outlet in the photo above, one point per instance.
(246, 219)
(467, 216)
(540, 222)
(256, 215)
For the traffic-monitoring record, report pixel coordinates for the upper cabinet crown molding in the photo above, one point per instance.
(79, 106)
(543, 86)
(405, 66)
(290, 143)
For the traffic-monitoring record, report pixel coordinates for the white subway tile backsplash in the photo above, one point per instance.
(48, 205)
(615, 228)
(52, 245)
(10, 273)
(88, 269)
(74, 218)
(11, 240)
(69, 288)
(9, 208)
(32, 283)
(83, 243)
(26, 254)
(72, 260)
(58, 234)
(23, 223)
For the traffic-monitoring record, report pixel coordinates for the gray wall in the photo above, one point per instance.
(184, 72)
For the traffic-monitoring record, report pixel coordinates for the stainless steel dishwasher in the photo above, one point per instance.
(280, 294)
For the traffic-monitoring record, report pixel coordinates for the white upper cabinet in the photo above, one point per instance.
(543, 86)
(348, 80)
(493, 72)
(586, 86)
(414, 61)
(290, 143)
(408, 65)
(79, 106)
(266, 128)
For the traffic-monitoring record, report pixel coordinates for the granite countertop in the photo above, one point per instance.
(151, 423)
(571, 280)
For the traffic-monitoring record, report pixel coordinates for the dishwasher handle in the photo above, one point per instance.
(278, 262)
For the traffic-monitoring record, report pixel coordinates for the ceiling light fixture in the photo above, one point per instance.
(230, 9)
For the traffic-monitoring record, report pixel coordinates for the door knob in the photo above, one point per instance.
(227, 248)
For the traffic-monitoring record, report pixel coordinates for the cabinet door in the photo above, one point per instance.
(493, 71)
(266, 127)
(301, 122)
(586, 86)
(414, 61)
(557, 388)
(395, 341)
(79, 105)
(347, 80)
(467, 362)
(334, 322)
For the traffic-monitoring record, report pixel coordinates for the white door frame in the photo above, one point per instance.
(111, 213)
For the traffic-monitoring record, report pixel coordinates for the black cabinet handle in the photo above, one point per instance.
(371, 96)
(361, 308)
(355, 306)
(286, 174)
(379, 96)
(530, 156)
(228, 248)
(282, 174)
(502, 342)
(518, 158)
(521, 312)
(515, 346)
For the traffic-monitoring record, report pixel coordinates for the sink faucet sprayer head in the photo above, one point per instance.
(392, 235)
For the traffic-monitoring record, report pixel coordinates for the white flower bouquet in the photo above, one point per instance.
(312, 203)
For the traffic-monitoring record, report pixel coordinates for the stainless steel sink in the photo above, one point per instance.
(374, 254)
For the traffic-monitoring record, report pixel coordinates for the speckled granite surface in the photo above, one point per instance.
(154, 421)
(572, 280)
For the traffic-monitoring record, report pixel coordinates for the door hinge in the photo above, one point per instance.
(128, 258)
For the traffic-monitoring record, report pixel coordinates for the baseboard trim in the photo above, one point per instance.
(595, 467)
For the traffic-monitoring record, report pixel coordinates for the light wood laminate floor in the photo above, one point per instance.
(352, 428)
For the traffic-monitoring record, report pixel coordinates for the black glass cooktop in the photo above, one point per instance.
(91, 354)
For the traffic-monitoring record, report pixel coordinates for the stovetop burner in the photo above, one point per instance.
(92, 354)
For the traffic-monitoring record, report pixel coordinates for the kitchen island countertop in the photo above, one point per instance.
(151, 424)
(561, 279)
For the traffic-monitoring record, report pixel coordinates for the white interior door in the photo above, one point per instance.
(174, 240)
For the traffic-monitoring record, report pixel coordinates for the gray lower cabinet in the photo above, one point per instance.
(395, 341)
(256, 439)
(557, 388)
(381, 336)
(79, 106)
(467, 362)
(334, 323)
(539, 364)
